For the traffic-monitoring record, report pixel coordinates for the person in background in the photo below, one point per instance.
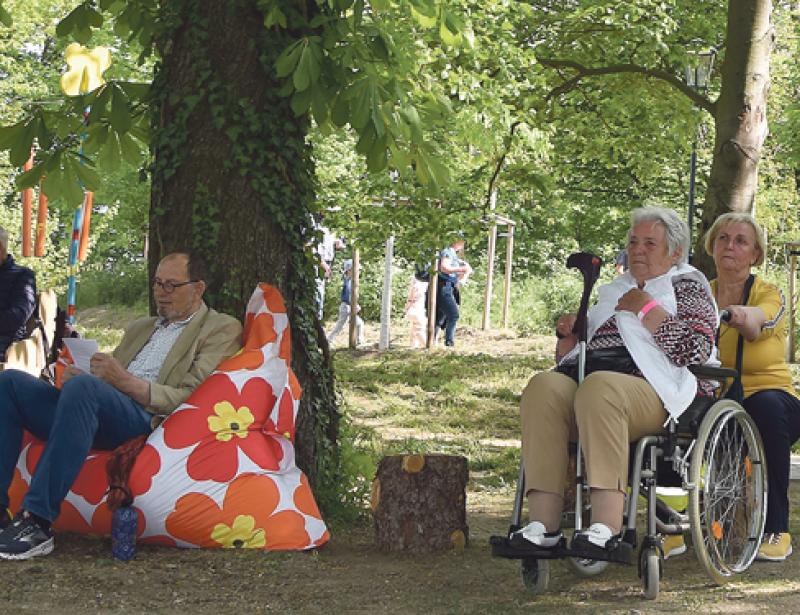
(453, 271)
(566, 338)
(344, 307)
(621, 261)
(326, 252)
(415, 309)
(736, 242)
(17, 297)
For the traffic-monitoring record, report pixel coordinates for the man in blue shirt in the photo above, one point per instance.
(17, 297)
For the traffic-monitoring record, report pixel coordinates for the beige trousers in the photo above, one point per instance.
(609, 410)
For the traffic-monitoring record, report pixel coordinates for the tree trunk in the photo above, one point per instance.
(233, 180)
(419, 503)
(740, 117)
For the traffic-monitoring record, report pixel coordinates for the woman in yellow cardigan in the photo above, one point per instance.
(736, 242)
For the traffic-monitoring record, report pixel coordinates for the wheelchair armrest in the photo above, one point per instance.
(707, 372)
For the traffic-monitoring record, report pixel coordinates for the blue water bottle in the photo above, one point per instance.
(123, 533)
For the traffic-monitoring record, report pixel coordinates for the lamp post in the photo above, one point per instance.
(698, 75)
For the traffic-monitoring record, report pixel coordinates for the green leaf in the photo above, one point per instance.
(5, 17)
(20, 150)
(110, 155)
(380, 5)
(376, 158)
(120, 111)
(286, 62)
(131, 151)
(308, 67)
(340, 113)
(97, 135)
(66, 25)
(30, 178)
(100, 103)
(88, 177)
(300, 102)
(94, 18)
(9, 134)
(319, 104)
(135, 91)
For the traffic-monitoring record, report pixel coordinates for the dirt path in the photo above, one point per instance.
(349, 576)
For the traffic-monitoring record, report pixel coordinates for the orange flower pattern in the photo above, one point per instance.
(231, 442)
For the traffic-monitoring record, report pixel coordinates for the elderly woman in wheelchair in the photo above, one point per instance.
(647, 353)
(660, 318)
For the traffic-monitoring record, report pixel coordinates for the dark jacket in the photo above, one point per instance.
(17, 302)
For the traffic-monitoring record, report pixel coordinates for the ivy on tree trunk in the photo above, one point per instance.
(233, 180)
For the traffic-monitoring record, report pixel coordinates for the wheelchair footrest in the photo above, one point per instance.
(503, 547)
(620, 552)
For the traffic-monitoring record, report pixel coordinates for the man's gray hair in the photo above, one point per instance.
(676, 229)
(4, 239)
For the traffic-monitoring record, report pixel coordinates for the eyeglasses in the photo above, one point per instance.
(169, 286)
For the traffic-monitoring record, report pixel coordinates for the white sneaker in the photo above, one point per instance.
(536, 534)
(597, 534)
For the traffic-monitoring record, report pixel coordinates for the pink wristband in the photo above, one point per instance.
(647, 307)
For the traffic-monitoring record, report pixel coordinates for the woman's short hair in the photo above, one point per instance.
(730, 218)
(676, 230)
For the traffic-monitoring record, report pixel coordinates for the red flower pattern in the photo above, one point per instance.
(223, 422)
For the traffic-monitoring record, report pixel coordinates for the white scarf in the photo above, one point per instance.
(675, 386)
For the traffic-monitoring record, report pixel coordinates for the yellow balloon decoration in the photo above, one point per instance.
(85, 69)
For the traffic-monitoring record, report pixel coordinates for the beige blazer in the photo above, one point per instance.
(209, 338)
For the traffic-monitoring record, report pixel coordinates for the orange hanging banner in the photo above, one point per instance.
(83, 248)
(27, 212)
(41, 224)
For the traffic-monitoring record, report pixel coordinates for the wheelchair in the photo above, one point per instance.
(714, 452)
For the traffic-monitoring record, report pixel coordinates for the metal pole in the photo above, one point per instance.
(507, 287)
(487, 296)
(692, 172)
(354, 299)
(386, 298)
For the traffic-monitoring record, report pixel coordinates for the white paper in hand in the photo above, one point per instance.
(81, 351)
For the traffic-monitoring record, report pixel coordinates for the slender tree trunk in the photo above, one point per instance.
(233, 179)
(740, 116)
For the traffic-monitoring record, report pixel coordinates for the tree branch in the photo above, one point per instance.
(584, 71)
(499, 164)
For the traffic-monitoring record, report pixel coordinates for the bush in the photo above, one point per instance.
(125, 285)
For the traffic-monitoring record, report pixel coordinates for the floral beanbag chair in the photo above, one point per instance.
(219, 471)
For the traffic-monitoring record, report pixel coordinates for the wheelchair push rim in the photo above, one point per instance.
(727, 491)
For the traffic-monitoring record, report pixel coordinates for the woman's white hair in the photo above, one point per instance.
(4, 239)
(676, 229)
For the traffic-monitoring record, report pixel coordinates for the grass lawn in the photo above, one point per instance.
(460, 402)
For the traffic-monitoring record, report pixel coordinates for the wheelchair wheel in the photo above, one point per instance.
(586, 567)
(727, 491)
(650, 571)
(536, 575)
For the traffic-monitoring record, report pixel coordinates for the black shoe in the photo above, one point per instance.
(5, 519)
(24, 538)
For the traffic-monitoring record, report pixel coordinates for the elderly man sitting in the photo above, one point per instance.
(17, 297)
(158, 364)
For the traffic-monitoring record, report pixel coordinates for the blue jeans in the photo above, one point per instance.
(448, 307)
(86, 413)
(777, 415)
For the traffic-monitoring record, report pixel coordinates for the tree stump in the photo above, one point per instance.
(419, 503)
